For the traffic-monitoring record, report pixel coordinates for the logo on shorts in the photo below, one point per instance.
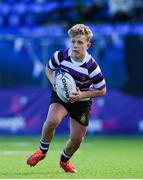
(83, 118)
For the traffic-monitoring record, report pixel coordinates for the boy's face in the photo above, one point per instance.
(79, 46)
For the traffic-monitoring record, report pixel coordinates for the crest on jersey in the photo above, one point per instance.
(83, 78)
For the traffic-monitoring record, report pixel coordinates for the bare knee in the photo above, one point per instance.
(51, 123)
(55, 115)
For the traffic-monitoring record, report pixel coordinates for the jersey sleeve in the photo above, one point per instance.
(97, 78)
(54, 62)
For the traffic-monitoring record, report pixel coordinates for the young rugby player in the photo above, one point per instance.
(91, 84)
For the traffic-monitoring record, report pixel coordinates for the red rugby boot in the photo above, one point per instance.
(35, 158)
(68, 167)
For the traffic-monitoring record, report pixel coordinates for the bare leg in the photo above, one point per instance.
(77, 134)
(55, 115)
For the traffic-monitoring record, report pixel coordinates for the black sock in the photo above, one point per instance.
(44, 146)
(65, 157)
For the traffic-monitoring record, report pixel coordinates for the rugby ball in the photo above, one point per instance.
(65, 86)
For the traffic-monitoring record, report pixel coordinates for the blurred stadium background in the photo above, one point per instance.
(30, 32)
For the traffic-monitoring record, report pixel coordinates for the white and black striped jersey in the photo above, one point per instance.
(87, 73)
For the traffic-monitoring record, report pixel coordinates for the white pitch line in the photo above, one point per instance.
(15, 152)
(23, 144)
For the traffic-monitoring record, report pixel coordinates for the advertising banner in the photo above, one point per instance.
(23, 112)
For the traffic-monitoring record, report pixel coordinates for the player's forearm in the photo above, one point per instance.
(93, 93)
(50, 75)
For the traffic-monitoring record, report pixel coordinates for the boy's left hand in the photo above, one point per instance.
(76, 96)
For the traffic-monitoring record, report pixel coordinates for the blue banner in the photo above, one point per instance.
(117, 112)
(23, 112)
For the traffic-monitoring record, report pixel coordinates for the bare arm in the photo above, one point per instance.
(51, 76)
(88, 94)
(92, 93)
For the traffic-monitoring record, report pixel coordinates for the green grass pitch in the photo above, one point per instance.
(98, 157)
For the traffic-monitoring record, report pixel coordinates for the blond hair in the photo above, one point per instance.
(80, 29)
